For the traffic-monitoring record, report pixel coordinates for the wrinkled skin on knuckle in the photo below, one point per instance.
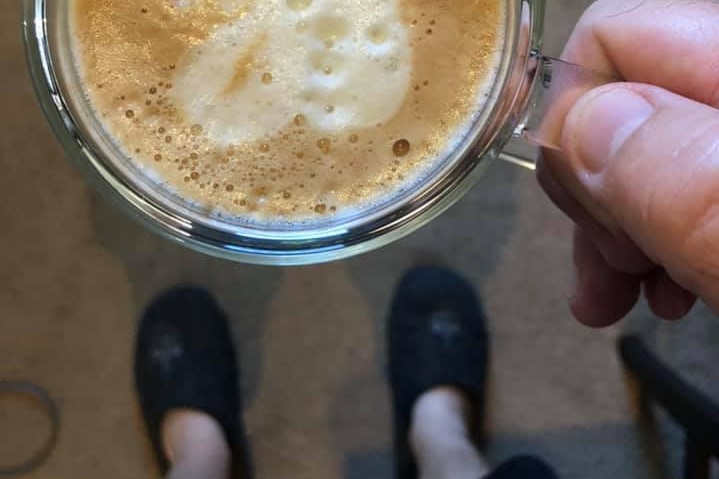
(698, 255)
(714, 97)
(668, 200)
(697, 206)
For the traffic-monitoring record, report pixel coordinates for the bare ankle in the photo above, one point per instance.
(444, 404)
(190, 433)
(440, 437)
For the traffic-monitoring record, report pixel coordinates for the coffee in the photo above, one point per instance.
(287, 110)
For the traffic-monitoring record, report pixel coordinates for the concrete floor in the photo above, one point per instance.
(75, 272)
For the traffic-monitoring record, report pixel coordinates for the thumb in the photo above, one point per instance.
(646, 161)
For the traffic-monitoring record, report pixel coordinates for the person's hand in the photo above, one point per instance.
(640, 169)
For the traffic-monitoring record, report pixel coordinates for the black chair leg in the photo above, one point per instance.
(696, 413)
(697, 461)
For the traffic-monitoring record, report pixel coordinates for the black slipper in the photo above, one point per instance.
(184, 358)
(437, 337)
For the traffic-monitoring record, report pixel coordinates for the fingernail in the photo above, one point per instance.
(606, 121)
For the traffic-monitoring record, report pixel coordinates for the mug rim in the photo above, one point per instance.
(438, 192)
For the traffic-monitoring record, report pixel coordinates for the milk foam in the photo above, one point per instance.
(338, 64)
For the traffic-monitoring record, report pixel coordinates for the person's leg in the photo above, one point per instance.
(442, 443)
(438, 361)
(195, 446)
(438, 358)
(440, 436)
(187, 382)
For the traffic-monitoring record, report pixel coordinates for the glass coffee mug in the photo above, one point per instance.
(530, 95)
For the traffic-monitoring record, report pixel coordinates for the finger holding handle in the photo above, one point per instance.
(641, 158)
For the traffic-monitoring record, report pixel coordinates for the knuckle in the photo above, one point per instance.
(714, 95)
(703, 142)
(680, 205)
(699, 251)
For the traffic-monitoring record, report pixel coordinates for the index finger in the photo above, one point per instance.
(665, 43)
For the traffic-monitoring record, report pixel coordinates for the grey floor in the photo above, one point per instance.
(74, 273)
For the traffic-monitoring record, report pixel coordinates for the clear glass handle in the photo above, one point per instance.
(555, 85)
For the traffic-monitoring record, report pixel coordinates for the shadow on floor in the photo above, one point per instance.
(155, 264)
(614, 450)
